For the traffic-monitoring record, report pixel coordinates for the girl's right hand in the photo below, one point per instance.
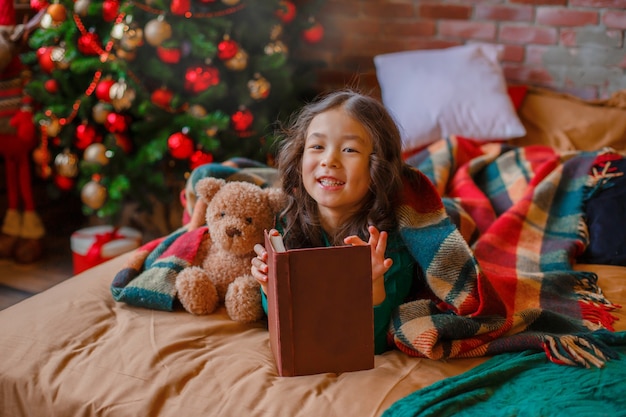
(259, 263)
(380, 264)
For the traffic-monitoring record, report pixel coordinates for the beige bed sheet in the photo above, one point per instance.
(569, 123)
(73, 351)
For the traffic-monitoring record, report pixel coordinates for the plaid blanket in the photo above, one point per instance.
(514, 288)
(148, 279)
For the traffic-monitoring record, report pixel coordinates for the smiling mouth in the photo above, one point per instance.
(327, 182)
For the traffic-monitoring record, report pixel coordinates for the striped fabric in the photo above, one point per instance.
(10, 100)
(149, 279)
(515, 288)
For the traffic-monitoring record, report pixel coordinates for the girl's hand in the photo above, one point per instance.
(380, 264)
(259, 263)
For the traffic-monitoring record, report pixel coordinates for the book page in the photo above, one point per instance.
(277, 243)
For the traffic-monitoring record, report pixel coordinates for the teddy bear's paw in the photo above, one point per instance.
(196, 292)
(243, 300)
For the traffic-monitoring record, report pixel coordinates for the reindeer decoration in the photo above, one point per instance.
(22, 232)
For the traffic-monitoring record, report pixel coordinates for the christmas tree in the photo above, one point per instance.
(130, 93)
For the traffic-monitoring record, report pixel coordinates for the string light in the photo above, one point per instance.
(189, 15)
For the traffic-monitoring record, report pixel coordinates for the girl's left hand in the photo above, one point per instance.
(380, 264)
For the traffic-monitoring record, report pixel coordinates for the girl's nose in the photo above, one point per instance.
(330, 159)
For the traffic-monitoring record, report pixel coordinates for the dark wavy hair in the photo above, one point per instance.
(300, 218)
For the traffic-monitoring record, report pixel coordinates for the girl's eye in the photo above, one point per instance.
(350, 150)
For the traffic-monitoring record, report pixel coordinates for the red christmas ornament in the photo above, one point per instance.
(180, 7)
(110, 10)
(86, 134)
(103, 90)
(45, 60)
(242, 120)
(161, 97)
(314, 34)
(116, 123)
(89, 44)
(38, 5)
(124, 142)
(287, 11)
(199, 158)
(169, 55)
(180, 145)
(200, 78)
(227, 49)
(64, 183)
(51, 86)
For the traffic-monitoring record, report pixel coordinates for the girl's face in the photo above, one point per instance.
(335, 164)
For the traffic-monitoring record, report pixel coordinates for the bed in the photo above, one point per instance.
(74, 351)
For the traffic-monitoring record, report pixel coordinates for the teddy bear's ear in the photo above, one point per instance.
(277, 199)
(206, 188)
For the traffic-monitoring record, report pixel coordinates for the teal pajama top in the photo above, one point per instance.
(398, 282)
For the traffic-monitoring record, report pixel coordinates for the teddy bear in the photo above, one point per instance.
(207, 261)
(235, 213)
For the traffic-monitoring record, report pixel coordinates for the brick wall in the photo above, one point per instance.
(576, 46)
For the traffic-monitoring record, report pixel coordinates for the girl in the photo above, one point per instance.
(341, 169)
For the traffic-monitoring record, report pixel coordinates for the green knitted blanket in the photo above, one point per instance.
(524, 384)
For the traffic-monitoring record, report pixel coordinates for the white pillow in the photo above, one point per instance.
(455, 91)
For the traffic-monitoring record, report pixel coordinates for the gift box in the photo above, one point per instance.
(94, 245)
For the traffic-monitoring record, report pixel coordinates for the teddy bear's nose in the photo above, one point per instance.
(233, 231)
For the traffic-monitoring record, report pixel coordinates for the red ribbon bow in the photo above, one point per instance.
(94, 255)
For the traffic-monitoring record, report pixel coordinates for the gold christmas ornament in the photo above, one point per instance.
(132, 38)
(275, 32)
(46, 22)
(128, 37)
(118, 89)
(81, 7)
(128, 34)
(52, 125)
(66, 164)
(197, 110)
(126, 55)
(259, 87)
(212, 131)
(122, 96)
(57, 56)
(230, 2)
(239, 62)
(276, 47)
(157, 31)
(55, 15)
(118, 30)
(44, 171)
(96, 153)
(100, 112)
(41, 155)
(93, 195)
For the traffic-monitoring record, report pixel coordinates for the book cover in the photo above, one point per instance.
(320, 315)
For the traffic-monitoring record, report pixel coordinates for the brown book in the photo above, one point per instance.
(320, 314)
